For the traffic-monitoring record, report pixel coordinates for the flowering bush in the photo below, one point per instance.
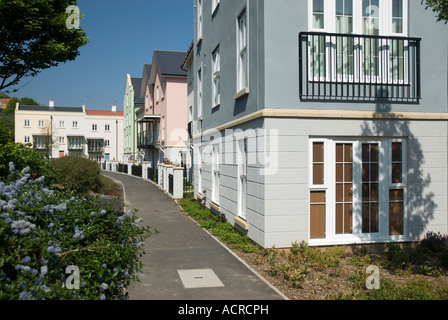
(42, 232)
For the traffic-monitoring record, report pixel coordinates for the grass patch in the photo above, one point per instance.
(218, 226)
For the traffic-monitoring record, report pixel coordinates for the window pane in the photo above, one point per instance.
(318, 14)
(317, 214)
(396, 212)
(318, 163)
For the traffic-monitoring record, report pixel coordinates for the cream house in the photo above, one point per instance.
(59, 131)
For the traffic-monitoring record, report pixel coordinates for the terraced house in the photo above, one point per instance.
(59, 131)
(322, 120)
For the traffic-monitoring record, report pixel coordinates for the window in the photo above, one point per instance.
(75, 124)
(363, 196)
(94, 127)
(376, 59)
(200, 170)
(106, 143)
(318, 14)
(26, 123)
(242, 71)
(75, 143)
(27, 139)
(216, 77)
(242, 178)
(107, 127)
(199, 21)
(199, 93)
(41, 123)
(215, 173)
(61, 123)
(62, 140)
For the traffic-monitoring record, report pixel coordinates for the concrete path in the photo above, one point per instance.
(184, 262)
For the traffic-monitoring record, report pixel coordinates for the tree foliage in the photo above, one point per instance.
(438, 6)
(34, 37)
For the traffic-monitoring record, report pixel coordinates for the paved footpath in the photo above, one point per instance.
(183, 261)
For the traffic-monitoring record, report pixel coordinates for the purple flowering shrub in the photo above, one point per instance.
(42, 232)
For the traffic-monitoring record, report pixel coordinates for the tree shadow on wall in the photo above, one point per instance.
(420, 203)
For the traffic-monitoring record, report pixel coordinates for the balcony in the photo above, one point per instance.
(75, 143)
(41, 142)
(147, 139)
(359, 68)
(95, 145)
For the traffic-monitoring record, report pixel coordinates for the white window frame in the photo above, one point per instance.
(385, 29)
(200, 101)
(61, 124)
(242, 23)
(94, 127)
(200, 18)
(215, 173)
(41, 123)
(242, 156)
(107, 127)
(199, 165)
(26, 123)
(215, 4)
(216, 77)
(385, 184)
(27, 139)
(75, 124)
(62, 140)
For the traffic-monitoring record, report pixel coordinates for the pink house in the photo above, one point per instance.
(162, 123)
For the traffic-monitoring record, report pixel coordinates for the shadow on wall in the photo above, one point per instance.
(420, 202)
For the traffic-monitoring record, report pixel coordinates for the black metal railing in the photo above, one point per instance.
(153, 174)
(349, 67)
(147, 139)
(136, 171)
(170, 184)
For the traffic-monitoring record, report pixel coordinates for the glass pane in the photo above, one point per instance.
(318, 6)
(318, 152)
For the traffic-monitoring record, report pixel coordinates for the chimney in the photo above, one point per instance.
(114, 108)
(51, 103)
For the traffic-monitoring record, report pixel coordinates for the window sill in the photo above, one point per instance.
(199, 41)
(242, 93)
(241, 222)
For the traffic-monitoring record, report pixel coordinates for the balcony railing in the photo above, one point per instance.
(147, 139)
(360, 68)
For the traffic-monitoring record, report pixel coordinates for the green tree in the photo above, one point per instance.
(34, 36)
(440, 7)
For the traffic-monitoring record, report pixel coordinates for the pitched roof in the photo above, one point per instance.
(170, 62)
(104, 113)
(137, 84)
(53, 109)
(145, 78)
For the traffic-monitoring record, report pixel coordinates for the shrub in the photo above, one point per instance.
(23, 156)
(42, 232)
(77, 174)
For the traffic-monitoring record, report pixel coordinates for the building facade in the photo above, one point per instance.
(131, 105)
(322, 121)
(162, 127)
(59, 131)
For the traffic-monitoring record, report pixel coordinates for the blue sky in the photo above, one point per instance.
(123, 35)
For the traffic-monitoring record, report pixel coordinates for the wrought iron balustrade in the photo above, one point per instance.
(359, 68)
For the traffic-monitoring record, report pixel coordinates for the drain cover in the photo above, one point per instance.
(199, 278)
